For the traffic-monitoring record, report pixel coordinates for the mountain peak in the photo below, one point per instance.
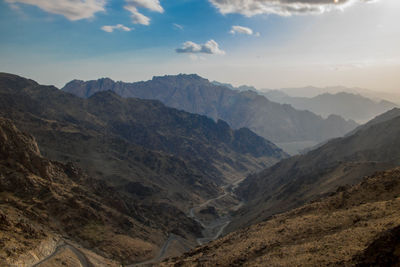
(15, 82)
(181, 76)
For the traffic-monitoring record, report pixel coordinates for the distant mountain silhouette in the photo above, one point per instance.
(273, 121)
(346, 105)
(313, 91)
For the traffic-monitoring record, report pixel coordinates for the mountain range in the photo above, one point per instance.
(313, 91)
(161, 159)
(91, 175)
(275, 122)
(347, 105)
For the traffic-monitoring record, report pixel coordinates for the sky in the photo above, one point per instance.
(264, 43)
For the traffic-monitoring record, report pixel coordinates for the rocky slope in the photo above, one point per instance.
(297, 180)
(391, 114)
(43, 202)
(355, 226)
(276, 122)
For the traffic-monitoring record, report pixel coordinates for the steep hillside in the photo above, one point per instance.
(44, 204)
(346, 105)
(299, 179)
(356, 226)
(391, 114)
(276, 122)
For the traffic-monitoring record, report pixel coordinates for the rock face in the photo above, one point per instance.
(297, 180)
(273, 121)
(355, 226)
(42, 200)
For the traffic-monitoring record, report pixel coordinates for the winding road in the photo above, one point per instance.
(65, 245)
(161, 254)
(221, 223)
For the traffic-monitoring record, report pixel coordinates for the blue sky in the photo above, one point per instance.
(349, 42)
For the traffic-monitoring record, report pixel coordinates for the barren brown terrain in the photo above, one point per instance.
(339, 230)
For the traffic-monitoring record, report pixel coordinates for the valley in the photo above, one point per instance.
(154, 162)
(110, 180)
(342, 229)
(213, 227)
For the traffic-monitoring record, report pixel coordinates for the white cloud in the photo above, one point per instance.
(71, 9)
(109, 28)
(243, 30)
(153, 5)
(281, 7)
(137, 17)
(210, 47)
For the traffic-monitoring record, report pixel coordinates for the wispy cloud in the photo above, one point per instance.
(177, 26)
(210, 47)
(110, 28)
(243, 30)
(71, 9)
(137, 17)
(281, 7)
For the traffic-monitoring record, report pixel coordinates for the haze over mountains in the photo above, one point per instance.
(312, 91)
(275, 122)
(349, 103)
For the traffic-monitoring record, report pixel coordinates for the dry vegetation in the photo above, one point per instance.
(333, 231)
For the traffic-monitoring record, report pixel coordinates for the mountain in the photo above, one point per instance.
(273, 121)
(312, 91)
(240, 88)
(300, 179)
(354, 226)
(391, 114)
(347, 105)
(162, 159)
